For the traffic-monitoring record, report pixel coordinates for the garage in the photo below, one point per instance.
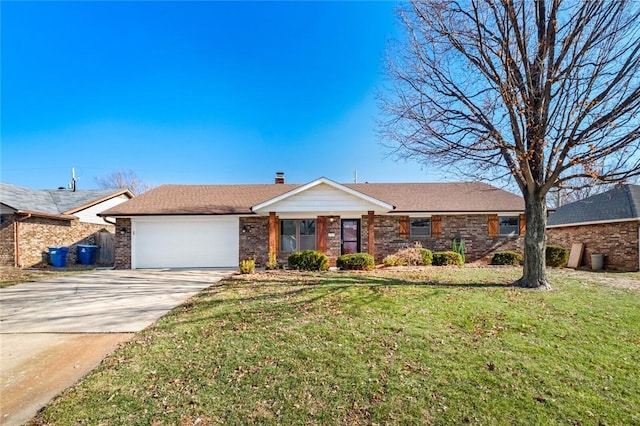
(184, 242)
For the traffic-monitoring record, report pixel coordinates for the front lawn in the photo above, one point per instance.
(423, 346)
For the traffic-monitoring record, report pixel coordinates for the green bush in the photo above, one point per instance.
(443, 258)
(507, 258)
(557, 256)
(356, 261)
(308, 260)
(391, 260)
(247, 266)
(427, 256)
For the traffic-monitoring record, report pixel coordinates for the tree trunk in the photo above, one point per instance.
(534, 274)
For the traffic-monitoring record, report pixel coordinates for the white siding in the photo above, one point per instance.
(185, 242)
(322, 198)
(90, 215)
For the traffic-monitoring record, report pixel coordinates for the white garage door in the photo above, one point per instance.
(185, 242)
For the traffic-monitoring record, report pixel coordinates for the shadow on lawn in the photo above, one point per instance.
(283, 298)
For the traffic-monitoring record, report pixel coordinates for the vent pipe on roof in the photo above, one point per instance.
(73, 179)
(280, 177)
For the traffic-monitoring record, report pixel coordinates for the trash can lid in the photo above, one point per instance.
(87, 245)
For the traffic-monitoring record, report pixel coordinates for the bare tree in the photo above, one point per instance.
(127, 179)
(580, 189)
(539, 93)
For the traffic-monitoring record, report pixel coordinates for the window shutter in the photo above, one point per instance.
(436, 226)
(493, 225)
(321, 233)
(404, 227)
(522, 223)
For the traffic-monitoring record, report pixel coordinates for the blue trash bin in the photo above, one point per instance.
(58, 256)
(87, 254)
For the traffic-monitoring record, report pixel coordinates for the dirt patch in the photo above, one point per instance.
(36, 367)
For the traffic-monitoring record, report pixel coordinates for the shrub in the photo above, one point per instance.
(507, 258)
(427, 256)
(272, 263)
(556, 256)
(458, 247)
(356, 261)
(308, 260)
(247, 266)
(443, 258)
(391, 260)
(411, 256)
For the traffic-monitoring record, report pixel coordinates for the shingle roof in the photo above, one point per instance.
(238, 199)
(55, 202)
(619, 203)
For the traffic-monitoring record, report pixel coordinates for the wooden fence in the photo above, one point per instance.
(106, 253)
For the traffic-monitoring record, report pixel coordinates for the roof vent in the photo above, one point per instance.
(279, 177)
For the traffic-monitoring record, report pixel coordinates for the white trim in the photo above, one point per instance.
(595, 222)
(383, 205)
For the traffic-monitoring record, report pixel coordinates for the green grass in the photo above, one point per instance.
(438, 346)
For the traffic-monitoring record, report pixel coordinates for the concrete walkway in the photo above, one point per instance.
(52, 333)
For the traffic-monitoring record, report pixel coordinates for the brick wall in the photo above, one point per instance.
(334, 244)
(617, 241)
(7, 241)
(473, 229)
(36, 235)
(254, 239)
(123, 244)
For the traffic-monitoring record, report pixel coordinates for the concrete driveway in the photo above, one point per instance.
(54, 332)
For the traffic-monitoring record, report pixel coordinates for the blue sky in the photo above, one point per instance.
(195, 92)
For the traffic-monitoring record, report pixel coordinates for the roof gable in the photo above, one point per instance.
(322, 195)
(54, 202)
(618, 204)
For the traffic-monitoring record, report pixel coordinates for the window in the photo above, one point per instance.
(508, 225)
(420, 227)
(297, 235)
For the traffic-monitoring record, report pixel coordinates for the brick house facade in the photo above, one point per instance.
(219, 225)
(607, 223)
(388, 239)
(25, 243)
(618, 241)
(32, 220)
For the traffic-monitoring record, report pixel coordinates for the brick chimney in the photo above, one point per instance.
(279, 177)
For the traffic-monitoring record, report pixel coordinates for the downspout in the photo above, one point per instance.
(16, 240)
(108, 221)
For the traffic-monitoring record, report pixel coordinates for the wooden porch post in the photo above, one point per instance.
(372, 249)
(273, 233)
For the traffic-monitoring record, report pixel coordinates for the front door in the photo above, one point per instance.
(350, 236)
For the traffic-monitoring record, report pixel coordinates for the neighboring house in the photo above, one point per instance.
(607, 223)
(33, 220)
(217, 225)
